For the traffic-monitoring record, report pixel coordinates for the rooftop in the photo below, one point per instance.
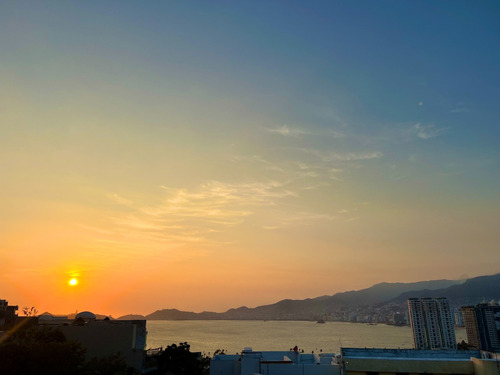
(442, 354)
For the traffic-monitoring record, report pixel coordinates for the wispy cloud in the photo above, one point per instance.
(461, 107)
(459, 110)
(286, 131)
(428, 131)
(302, 175)
(331, 114)
(289, 172)
(259, 160)
(186, 216)
(329, 156)
(333, 174)
(309, 216)
(120, 200)
(216, 195)
(302, 218)
(298, 218)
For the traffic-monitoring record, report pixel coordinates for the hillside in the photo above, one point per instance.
(472, 291)
(459, 293)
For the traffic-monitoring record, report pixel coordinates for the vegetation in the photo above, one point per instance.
(178, 360)
(30, 311)
(463, 346)
(41, 350)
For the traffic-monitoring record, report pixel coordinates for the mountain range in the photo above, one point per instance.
(458, 292)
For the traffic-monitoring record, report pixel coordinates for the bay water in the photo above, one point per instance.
(233, 336)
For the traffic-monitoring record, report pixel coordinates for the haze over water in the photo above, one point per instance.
(233, 335)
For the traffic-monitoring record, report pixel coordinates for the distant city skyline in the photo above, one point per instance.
(204, 156)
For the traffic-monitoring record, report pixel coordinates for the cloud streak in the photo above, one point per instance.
(428, 131)
(328, 156)
(186, 216)
(287, 132)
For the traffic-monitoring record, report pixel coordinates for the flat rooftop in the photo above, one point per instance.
(408, 354)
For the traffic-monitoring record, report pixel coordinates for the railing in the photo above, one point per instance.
(154, 351)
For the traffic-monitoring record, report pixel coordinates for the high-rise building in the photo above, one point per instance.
(482, 323)
(459, 319)
(432, 323)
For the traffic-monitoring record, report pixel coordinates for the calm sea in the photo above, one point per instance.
(233, 335)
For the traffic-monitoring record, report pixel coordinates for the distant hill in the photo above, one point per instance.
(472, 291)
(98, 316)
(459, 293)
(386, 291)
(73, 315)
(132, 317)
(313, 308)
(174, 314)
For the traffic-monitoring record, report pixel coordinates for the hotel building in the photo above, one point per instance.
(432, 323)
(482, 323)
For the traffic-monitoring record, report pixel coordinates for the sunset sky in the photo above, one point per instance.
(204, 155)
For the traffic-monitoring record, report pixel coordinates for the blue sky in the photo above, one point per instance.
(221, 145)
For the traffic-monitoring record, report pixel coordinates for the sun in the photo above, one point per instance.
(73, 281)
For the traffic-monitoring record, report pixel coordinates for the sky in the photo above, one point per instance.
(208, 155)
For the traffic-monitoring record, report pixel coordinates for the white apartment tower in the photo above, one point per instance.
(432, 323)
